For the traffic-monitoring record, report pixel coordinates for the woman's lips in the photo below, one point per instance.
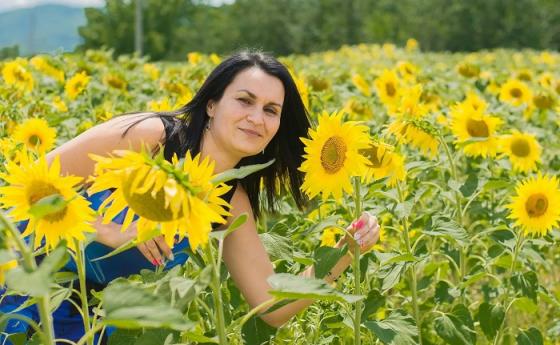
(250, 132)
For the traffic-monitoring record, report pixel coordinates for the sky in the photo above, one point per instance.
(7, 5)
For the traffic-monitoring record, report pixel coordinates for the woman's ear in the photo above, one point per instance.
(210, 108)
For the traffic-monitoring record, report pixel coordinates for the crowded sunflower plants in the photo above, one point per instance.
(456, 154)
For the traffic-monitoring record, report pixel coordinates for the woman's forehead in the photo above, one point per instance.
(258, 83)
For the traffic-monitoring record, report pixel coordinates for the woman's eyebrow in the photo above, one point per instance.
(253, 96)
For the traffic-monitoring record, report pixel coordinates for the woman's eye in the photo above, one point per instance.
(272, 111)
(244, 100)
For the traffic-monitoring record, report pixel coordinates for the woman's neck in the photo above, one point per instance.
(224, 159)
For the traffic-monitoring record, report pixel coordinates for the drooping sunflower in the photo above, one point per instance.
(416, 133)
(30, 181)
(175, 198)
(536, 206)
(469, 125)
(515, 92)
(75, 85)
(384, 162)
(387, 86)
(333, 156)
(522, 149)
(15, 73)
(35, 134)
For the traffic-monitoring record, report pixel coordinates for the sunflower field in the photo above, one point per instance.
(456, 154)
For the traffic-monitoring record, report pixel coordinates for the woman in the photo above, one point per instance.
(247, 111)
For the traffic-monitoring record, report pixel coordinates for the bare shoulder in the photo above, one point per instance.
(120, 133)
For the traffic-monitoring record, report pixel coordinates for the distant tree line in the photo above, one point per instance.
(174, 27)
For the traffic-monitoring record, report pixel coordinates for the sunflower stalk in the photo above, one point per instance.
(30, 266)
(517, 248)
(80, 263)
(412, 270)
(459, 212)
(217, 295)
(356, 266)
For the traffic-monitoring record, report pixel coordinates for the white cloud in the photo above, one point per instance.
(7, 5)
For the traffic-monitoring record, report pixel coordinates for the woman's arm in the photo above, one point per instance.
(250, 266)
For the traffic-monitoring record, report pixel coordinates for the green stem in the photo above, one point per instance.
(30, 266)
(459, 211)
(412, 271)
(356, 266)
(80, 263)
(217, 296)
(518, 245)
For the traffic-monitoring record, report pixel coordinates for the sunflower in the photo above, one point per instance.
(419, 134)
(176, 198)
(474, 102)
(35, 134)
(42, 65)
(536, 206)
(151, 70)
(75, 85)
(329, 236)
(411, 45)
(115, 81)
(409, 103)
(361, 84)
(161, 105)
(515, 92)
(30, 181)
(387, 86)
(59, 104)
(522, 149)
(407, 70)
(15, 73)
(469, 125)
(384, 162)
(332, 156)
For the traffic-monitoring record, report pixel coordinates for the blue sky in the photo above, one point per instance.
(7, 5)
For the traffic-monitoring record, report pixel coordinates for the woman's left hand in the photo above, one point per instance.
(365, 231)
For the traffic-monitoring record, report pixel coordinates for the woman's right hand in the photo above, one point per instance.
(111, 235)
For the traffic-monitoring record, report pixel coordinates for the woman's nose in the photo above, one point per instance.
(256, 117)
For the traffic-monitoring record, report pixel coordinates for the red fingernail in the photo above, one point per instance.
(359, 223)
(154, 262)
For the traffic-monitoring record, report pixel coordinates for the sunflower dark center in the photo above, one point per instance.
(390, 89)
(477, 128)
(333, 154)
(145, 205)
(516, 93)
(39, 190)
(34, 140)
(520, 148)
(536, 205)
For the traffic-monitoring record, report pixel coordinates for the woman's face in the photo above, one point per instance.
(247, 116)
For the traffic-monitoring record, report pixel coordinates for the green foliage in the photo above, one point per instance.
(173, 28)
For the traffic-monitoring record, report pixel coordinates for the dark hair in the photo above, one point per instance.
(286, 146)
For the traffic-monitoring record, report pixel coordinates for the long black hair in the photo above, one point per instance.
(285, 147)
